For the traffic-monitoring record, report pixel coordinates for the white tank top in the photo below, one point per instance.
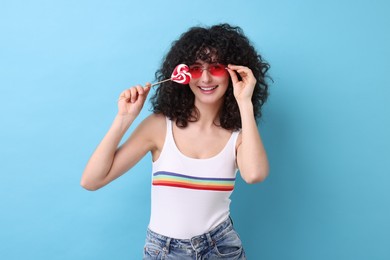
(191, 196)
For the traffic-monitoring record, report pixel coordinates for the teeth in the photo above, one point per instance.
(208, 89)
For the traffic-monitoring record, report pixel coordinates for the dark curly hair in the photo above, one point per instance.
(221, 43)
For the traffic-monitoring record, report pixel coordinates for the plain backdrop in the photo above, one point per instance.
(326, 125)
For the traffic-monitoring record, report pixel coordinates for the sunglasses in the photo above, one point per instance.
(217, 70)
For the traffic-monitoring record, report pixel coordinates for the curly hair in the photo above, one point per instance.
(223, 44)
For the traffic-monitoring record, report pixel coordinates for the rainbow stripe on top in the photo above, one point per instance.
(163, 178)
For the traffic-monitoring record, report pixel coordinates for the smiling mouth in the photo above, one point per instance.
(208, 88)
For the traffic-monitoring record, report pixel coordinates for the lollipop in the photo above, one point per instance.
(181, 74)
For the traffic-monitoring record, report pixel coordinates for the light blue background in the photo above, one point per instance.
(326, 126)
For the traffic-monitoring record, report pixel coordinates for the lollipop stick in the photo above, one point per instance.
(160, 82)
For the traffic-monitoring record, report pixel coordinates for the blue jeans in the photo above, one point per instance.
(222, 242)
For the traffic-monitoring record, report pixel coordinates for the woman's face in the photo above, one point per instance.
(209, 82)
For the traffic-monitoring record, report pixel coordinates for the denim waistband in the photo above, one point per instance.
(196, 243)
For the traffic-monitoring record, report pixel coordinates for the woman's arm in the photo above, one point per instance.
(108, 162)
(251, 155)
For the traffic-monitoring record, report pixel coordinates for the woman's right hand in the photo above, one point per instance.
(131, 100)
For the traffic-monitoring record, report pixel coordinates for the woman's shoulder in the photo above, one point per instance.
(153, 126)
(155, 120)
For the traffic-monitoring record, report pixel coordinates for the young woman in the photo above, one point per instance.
(199, 135)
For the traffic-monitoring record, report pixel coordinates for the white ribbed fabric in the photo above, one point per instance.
(191, 196)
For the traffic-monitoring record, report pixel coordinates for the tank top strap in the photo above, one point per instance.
(169, 136)
(232, 143)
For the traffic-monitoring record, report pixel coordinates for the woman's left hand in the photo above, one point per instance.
(243, 89)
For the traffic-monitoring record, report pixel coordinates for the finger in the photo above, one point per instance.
(127, 94)
(147, 88)
(148, 85)
(242, 70)
(124, 95)
(235, 67)
(133, 94)
(140, 90)
(245, 73)
(233, 75)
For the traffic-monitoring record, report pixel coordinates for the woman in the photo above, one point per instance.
(199, 136)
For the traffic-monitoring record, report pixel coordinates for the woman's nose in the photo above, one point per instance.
(206, 77)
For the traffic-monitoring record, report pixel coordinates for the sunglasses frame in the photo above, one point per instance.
(219, 73)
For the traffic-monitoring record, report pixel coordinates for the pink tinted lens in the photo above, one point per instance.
(214, 69)
(196, 71)
(217, 70)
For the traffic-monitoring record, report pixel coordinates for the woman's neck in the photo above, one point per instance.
(209, 115)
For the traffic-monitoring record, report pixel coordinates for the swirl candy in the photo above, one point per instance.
(181, 74)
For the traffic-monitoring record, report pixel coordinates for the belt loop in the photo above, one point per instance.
(210, 240)
(167, 245)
